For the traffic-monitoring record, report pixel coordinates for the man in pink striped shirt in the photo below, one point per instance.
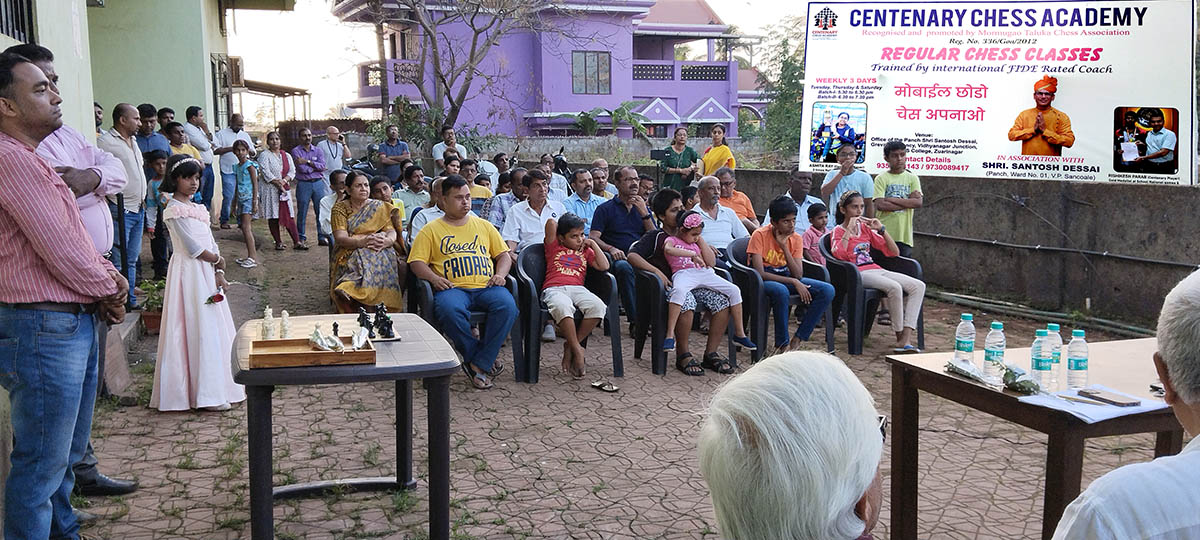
(53, 286)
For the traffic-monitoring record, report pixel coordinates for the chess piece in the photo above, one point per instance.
(268, 324)
(335, 330)
(364, 320)
(383, 323)
(285, 325)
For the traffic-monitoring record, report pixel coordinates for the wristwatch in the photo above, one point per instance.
(647, 216)
(882, 229)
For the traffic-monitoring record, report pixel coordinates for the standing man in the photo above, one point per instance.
(799, 186)
(493, 168)
(846, 178)
(119, 141)
(583, 202)
(336, 152)
(91, 174)
(166, 115)
(148, 137)
(1043, 130)
(1160, 146)
(53, 288)
(223, 141)
(99, 116)
(463, 258)
(616, 225)
(200, 137)
(310, 183)
(392, 153)
(611, 190)
(897, 194)
(736, 200)
(449, 140)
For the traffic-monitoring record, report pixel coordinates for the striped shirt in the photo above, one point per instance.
(45, 253)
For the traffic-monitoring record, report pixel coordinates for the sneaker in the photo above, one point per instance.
(247, 262)
(548, 334)
(745, 342)
(669, 344)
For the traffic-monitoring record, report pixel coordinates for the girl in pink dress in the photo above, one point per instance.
(193, 370)
(691, 263)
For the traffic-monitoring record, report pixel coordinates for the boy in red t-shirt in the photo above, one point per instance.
(568, 254)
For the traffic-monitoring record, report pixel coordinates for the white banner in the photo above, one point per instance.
(1068, 90)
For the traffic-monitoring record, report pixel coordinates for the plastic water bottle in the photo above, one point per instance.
(1077, 361)
(1040, 362)
(964, 339)
(1054, 342)
(993, 352)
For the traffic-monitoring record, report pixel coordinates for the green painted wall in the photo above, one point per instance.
(151, 51)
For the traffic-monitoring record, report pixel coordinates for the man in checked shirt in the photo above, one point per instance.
(54, 288)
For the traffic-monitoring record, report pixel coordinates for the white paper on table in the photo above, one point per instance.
(1093, 413)
(1129, 151)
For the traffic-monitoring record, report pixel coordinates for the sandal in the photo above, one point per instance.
(692, 367)
(605, 386)
(497, 368)
(300, 247)
(481, 382)
(279, 246)
(713, 361)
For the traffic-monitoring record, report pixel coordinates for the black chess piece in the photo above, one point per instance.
(364, 320)
(383, 323)
(335, 330)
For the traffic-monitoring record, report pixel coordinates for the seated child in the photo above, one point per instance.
(818, 219)
(568, 254)
(691, 262)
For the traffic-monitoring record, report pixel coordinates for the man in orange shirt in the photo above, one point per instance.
(735, 200)
(1043, 130)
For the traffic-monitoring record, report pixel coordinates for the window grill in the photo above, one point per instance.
(16, 20)
(704, 73)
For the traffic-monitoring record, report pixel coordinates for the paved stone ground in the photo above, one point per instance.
(553, 460)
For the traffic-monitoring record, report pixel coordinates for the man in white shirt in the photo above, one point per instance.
(337, 183)
(449, 140)
(199, 136)
(336, 152)
(558, 187)
(721, 224)
(119, 142)
(1158, 500)
(799, 186)
(223, 141)
(1160, 147)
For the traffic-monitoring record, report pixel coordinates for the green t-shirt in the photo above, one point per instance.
(897, 186)
(677, 160)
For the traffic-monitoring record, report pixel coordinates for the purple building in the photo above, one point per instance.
(602, 53)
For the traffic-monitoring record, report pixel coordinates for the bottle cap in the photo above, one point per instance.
(997, 325)
(1076, 333)
(1041, 332)
(967, 316)
(1053, 327)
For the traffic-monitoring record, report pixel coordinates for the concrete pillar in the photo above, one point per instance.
(712, 50)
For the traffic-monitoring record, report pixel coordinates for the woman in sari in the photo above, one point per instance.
(718, 155)
(680, 163)
(364, 270)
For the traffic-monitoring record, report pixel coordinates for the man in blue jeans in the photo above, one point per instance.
(463, 258)
(223, 146)
(310, 184)
(54, 289)
(776, 251)
(616, 225)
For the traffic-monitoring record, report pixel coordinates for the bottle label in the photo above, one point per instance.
(1042, 364)
(1056, 356)
(995, 356)
(964, 345)
(1077, 364)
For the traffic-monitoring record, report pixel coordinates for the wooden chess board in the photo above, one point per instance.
(295, 349)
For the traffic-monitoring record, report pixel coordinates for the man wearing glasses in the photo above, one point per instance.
(1043, 130)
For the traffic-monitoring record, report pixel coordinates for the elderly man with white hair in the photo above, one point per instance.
(1159, 499)
(790, 450)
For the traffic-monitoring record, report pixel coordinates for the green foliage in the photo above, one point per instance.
(154, 294)
(421, 128)
(624, 114)
(586, 122)
(784, 126)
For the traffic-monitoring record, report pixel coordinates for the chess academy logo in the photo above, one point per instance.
(825, 24)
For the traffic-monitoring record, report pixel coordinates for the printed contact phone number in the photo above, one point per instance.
(928, 166)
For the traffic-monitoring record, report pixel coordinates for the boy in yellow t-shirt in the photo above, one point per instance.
(897, 194)
(463, 258)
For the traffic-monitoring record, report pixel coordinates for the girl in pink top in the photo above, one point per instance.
(691, 263)
(852, 241)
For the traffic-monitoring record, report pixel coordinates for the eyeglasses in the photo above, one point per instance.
(883, 424)
(726, 184)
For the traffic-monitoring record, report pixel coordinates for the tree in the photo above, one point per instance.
(782, 78)
(586, 122)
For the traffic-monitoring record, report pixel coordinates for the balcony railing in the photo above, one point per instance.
(666, 70)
